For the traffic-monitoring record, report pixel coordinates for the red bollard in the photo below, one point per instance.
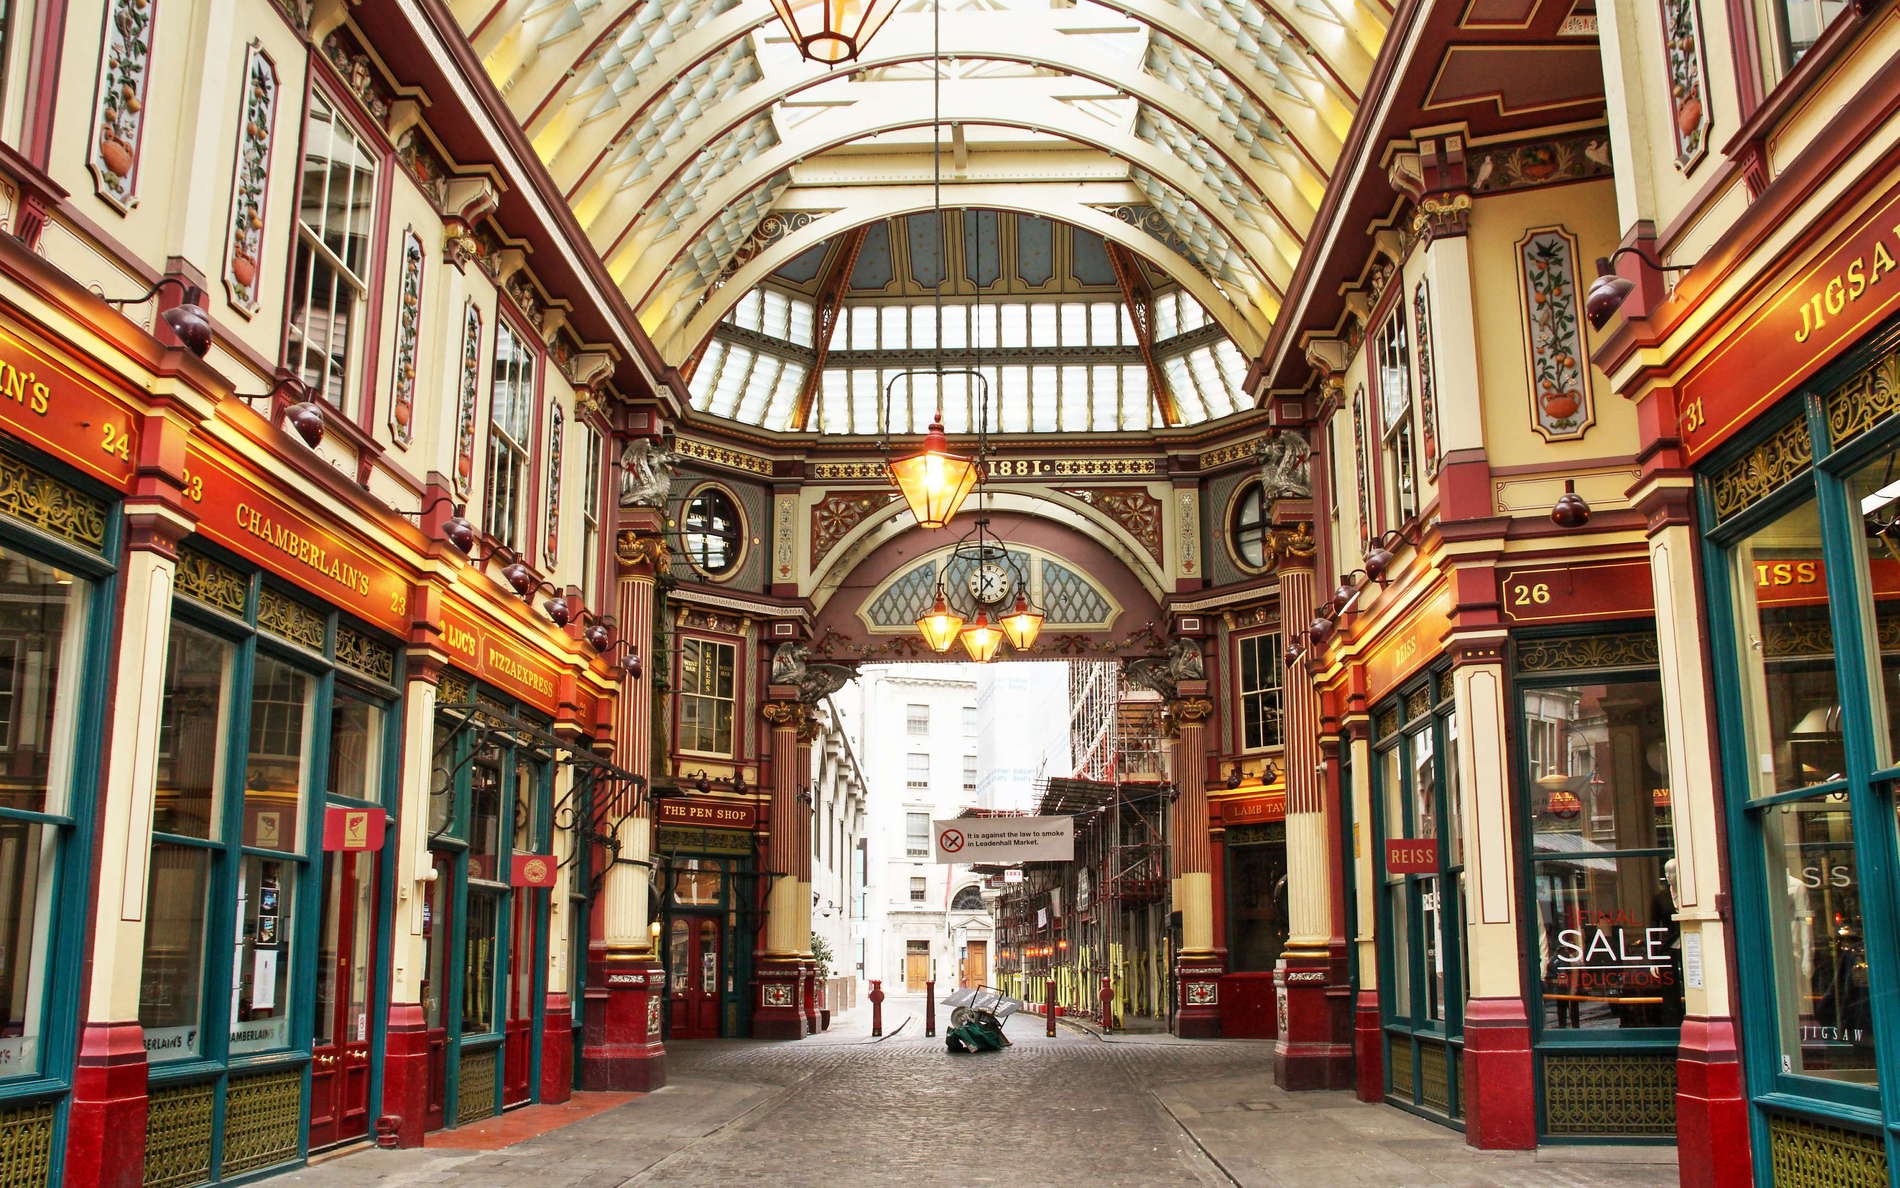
(930, 1007)
(877, 1007)
(1049, 1006)
(1108, 1007)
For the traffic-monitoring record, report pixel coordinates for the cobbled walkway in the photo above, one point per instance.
(841, 1109)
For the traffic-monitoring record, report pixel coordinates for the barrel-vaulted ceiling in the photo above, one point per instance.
(701, 154)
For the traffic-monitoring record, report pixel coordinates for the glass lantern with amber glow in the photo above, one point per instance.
(981, 640)
(1022, 624)
(939, 625)
(833, 31)
(934, 481)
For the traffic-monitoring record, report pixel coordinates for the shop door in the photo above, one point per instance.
(339, 1058)
(438, 934)
(976, 963)
(693, 952)
(517, 1059)
(916, 965)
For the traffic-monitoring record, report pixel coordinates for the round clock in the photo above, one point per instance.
(991, 582)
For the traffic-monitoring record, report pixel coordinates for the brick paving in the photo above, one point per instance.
(841, 1109)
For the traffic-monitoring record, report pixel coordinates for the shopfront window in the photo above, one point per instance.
(705, 697)
(1819, 941)
(1424, 897)
(281, 708)
(1873, 494)
(192, 723)
(356, 748)
(1257, 896)
(479, 968)
(42, 640)
(260, 982)
(171, 990)
(1599, 809)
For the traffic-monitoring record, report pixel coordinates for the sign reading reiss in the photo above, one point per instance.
(1004, 839)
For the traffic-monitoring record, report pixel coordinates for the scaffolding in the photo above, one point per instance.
(1105, 914)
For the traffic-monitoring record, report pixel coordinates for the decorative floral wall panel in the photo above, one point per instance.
(250, 179)
(402, 396)
(1427, 379)
(469, 385)
(1360, 463)
(1561, 407)
(1688, 81)
(118, 123)
(551, 541)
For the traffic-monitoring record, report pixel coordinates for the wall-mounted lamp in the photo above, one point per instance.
(456, 529)
(1608, 290)
(303, 414)
(1570, 510)
(1380, 555)
(188, 319)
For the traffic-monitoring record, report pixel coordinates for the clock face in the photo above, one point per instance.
(991, 582)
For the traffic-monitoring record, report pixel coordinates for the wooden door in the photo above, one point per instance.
(916, 969)
(976, 963)
(339, 1058)
(517, 1060)
(694, 949)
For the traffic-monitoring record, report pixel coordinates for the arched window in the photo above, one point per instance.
(970, 899)
(1248, 529)
(712, 531)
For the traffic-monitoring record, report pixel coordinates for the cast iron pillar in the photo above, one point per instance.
(1197, 966)
(621, 1047)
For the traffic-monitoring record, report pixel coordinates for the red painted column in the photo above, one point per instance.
(1500, 1098)
(779, 973)
(557, 1050)
(621, 1047)
(1197, 966)
(405, 1106)
(1368, 1048)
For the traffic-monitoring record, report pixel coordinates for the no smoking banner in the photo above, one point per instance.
(950, 841)
(1004, 839)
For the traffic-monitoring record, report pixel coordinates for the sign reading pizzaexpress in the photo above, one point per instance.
(233, 512)
(1850, 286)
(59, 412)
(485, 653)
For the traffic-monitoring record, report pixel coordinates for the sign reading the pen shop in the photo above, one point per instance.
(501, 662)
(1852, 283)
(65, 415)
(288, 542)
(715, 814)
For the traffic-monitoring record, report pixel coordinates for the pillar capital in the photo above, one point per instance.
(782, 714)
(641, 551)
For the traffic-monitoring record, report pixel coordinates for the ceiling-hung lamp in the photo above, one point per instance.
(1022, 624)
(833, 31)
(934, 481)
(940, 625)
(981, 639)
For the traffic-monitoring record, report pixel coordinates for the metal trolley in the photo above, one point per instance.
(977, 1016)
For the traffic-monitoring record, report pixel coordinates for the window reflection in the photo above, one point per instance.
(261, 981)
(1820, 951)
(171, 987)
(1787, 654)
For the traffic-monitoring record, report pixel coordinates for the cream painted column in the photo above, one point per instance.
(1197, 967)
(1711, 1111)
(1309, 1050)
(621, 1026)
(109, 1087)
(406, 1046)
(1499, 1095)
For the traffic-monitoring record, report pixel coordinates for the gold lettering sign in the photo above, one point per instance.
(1833, 294)
(302, 549)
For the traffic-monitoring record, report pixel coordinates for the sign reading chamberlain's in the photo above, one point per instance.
(1005, 839)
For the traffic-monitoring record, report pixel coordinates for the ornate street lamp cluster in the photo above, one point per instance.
(934, 480)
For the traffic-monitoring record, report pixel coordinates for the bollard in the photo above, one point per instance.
(1049, 1006)
(1108, 1007)
(877, 1007)
(930, 1007)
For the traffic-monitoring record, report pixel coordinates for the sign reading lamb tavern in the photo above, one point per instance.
(1005, 839)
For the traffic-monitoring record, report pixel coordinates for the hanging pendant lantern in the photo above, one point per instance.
(939, 625)
(934, 481)
(833, 31)
(1022, 624)
(981, 640)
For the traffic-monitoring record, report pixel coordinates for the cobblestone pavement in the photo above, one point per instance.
(841, 1109)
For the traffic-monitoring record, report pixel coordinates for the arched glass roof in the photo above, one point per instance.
(701, 155)
(1033, 326)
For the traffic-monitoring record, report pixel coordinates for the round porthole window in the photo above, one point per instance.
(1247, 529)
(712, 531)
